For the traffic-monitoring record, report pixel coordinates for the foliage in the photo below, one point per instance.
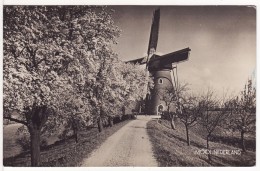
(60, 70)
(52, 50)
(123, 86)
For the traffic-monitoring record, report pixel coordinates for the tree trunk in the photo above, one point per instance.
(111, 122)
(75, 130)
(243, 147)
(36, 118)
(100, 125)
(208, 142)
(209, 156)
(76, 137)
(35, 147)
(187, 134)
(172, 123)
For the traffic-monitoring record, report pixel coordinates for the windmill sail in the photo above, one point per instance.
(139, 61)
(154, 33)
(152, 41)
(152, 46)
(166, 61)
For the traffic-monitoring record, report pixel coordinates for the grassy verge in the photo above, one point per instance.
(170, 148)
(66, 152)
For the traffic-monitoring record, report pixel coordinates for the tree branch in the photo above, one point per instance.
(15, 120)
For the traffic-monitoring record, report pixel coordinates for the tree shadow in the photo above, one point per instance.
(193, 143)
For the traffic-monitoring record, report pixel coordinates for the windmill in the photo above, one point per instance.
(162, 68)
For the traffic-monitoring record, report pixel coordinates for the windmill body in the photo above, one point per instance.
(160, 68)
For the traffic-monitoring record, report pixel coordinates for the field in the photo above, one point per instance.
(58, 152)
(170, 147)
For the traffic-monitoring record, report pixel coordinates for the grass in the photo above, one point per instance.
(10, 147)
(170, 148)
(67, 153)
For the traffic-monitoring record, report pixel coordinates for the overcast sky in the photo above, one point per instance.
(222, 40)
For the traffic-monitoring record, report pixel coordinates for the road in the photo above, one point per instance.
(129, 146)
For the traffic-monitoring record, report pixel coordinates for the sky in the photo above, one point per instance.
(222, 40)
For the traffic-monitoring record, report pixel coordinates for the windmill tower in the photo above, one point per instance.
(160, 68)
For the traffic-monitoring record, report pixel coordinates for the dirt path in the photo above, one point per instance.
(130, 146)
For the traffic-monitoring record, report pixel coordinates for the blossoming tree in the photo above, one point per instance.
(51, 54)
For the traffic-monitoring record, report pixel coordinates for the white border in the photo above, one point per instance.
(129, 2)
